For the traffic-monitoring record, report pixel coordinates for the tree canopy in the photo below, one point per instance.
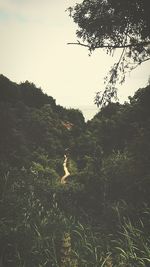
(111, 25)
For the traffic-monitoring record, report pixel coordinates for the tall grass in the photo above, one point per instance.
(132, 248)
(43, 235)
(128, 247)
(89, 247)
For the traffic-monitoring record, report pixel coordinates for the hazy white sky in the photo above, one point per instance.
(34, 36)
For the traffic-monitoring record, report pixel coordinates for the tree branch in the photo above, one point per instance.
(111, 46)
(145, 59)
(133, 68)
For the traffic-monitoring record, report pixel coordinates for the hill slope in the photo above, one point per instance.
(100, 217)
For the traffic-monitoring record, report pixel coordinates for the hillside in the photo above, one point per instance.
(31, 121)
(101, 216)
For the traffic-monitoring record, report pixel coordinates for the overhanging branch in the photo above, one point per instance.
(144, 60)
(111, 46)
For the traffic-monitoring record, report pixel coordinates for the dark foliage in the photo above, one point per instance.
(109, 182)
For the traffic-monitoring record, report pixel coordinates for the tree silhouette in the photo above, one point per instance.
(111, 25)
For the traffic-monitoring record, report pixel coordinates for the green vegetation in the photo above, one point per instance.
(101, 217)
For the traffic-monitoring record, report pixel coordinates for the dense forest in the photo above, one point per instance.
(101, 216)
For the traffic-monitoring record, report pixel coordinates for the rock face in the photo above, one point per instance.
(68, 125)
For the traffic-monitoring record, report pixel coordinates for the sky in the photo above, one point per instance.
(34, 37)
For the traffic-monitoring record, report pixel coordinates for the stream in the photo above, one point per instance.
(67, 173)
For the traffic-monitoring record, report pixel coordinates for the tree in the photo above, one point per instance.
(111, 25)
